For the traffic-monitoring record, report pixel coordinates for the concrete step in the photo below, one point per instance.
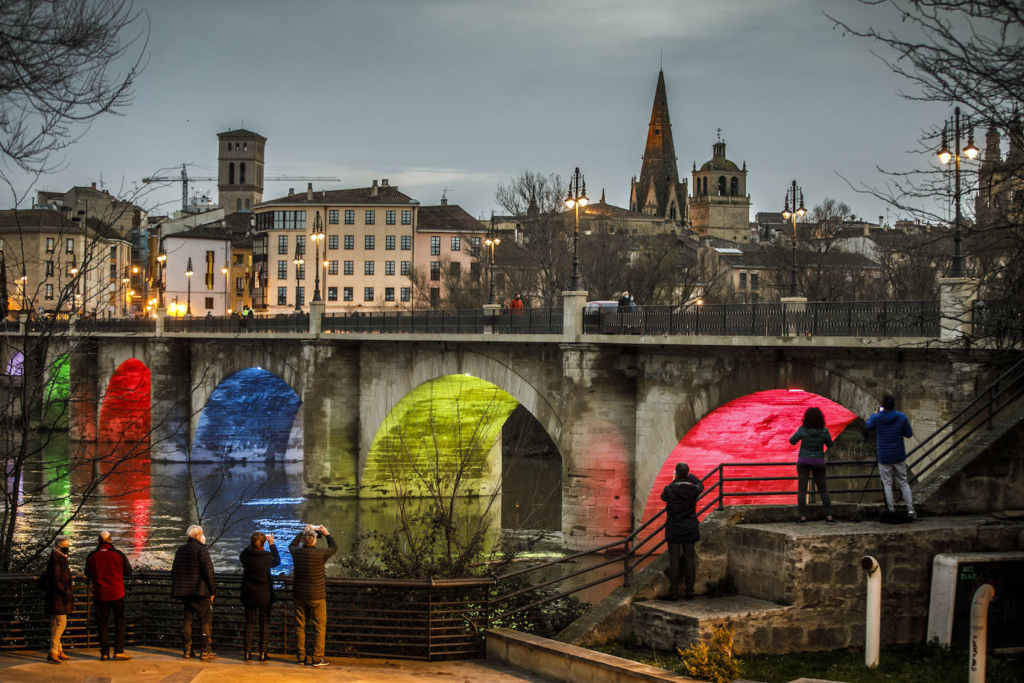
(666, 625)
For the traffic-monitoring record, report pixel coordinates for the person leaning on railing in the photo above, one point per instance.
(60, 598)
(814, 438)
(309, 589)
(258, 589)
(192, 582)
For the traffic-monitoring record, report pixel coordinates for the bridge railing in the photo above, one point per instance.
(232, 324)
(398, 619)
(115, 325)
(471, 321)
(837, 319)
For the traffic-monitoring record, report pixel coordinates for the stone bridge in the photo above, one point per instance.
(615, 406)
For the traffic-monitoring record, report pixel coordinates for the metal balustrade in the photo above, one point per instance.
(116, 325)
(233, 324)
(834, 319)
(472, 321)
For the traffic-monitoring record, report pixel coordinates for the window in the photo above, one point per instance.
(389, 219)
(389, 294)
(300, 295)
(389, 242)
(245, 146)
(406, 293)
(231, 173)
(49, 292)
(300, 243)
(282, 244)
(350, 219)
(347, 293)
(282, 270)
(240, 283)
(456, 269)
(282, 296)
(743, 280)
(113, 253)
(456, 244)
(113, 271)
(332, 293)
(734, 186)
(435, 271)
(435, 246)
(332, 267)
(369, 241)
(332, 216)
(69, 247)
(367, 267)
(474, 243)
(241, 173)
(332, 241)
(370, 217)
(435, 297)
(350, 267)
(406, 267)
(209, 303)
(49, 245)
(753, 280)
(301, 274)
(367, 293)
(407, 217)
(49, 269)
(238, 260)
(281, 220)
(350, 241)
(389, 267)
(406, 242)
(474, 271)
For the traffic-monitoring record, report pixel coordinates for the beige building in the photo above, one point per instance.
(720, 205)
(55, 264)
(449, 246)
(366, 257)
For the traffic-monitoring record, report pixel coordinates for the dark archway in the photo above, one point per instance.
(252, 415)
(125, 413)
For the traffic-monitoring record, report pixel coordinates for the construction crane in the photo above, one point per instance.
(185, 180)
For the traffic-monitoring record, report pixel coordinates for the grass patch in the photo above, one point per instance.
(898, 663)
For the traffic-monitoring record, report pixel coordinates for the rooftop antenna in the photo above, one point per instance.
(102, 184)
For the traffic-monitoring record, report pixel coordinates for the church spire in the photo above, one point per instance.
(659, 177)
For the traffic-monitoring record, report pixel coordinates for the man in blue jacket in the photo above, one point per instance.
(892, 427)
(682, 529)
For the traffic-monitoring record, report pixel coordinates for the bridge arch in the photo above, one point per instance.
(668, 428)
(125, 410)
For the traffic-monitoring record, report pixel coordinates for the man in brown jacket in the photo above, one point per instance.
(309, 590)
(60, 598)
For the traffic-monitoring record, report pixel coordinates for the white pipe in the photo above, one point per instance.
(979, 632)
(874, 611)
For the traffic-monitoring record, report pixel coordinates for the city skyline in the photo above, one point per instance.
(448, 94)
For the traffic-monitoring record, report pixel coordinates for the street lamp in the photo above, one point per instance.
(161, 259)
(794, 198)
(188, 275)
(317, 237)
(945, 155)
(298, 265)
(227, 292)
(492, 241)
(24, 292)
(576, 198)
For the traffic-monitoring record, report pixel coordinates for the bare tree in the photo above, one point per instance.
(63, 64)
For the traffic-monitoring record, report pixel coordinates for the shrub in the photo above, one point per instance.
(713, 662)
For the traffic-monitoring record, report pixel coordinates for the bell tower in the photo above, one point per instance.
(240, 169)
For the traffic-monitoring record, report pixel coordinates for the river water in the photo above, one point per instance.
(147, 505)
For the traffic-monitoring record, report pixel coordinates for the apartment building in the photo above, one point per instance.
(449, 246)
(60, 264)
(366, 258)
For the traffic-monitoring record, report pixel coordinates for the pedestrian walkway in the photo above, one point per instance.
(152, 665)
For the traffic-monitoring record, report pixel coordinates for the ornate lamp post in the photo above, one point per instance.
(161, 259)
(317, 237)
(227, 292)
(794, 198)
(492, 241)
(576, 198)
(126, 280)
(188, 276)
(298, 266)
(945, 155)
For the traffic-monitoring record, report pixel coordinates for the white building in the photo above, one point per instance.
(209, 251)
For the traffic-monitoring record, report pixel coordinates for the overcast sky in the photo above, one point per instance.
(461, 94)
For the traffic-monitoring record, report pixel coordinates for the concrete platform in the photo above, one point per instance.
(665, 625)
(153, 664)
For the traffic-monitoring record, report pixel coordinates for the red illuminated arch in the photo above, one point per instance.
(749, 429)
(125, 412)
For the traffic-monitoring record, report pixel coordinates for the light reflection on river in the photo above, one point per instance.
(147, 506)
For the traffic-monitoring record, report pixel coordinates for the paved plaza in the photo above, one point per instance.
(153, 664)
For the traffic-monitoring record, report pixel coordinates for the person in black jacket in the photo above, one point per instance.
(309, 589)
(60, 598)
(257, 589)
(681, 529)
(192, 582)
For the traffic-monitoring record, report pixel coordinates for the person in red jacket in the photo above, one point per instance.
(107, 568)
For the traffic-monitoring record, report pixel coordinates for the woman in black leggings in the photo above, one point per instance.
(258, 589)
(814, 439)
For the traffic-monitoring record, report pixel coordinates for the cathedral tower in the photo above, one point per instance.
(240, 169)
(659, 192)
(720, 205)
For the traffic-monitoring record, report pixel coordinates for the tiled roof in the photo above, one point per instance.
(359, 195)
(205, 232)
(603, 210)
(240, 132)
(449, 218)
